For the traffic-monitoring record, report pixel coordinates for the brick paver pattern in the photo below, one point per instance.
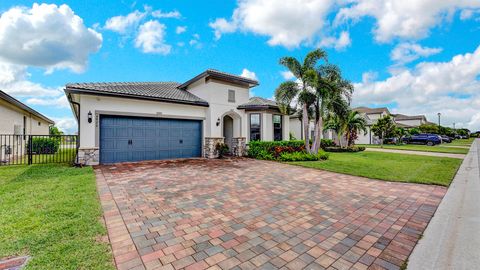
(250, 214)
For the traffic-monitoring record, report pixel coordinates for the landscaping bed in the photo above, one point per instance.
(283, 151)
(391, 167)
(52, 213)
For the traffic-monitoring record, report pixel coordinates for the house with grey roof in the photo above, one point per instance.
(119, 122)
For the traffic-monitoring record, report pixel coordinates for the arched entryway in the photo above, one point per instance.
(228, 130)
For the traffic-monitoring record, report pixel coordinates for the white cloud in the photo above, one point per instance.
(222, 26)
(407, 52)
(287, 75)
(66, 124)
(249, 74)
(340, 43)
(403, 19)
(47, 36)
(124, 24)
(452, 88)
(172, 14)
(151, 38)
(286, 23)
(59, 102)
(180, 29)
(195, 41)
(468, 14)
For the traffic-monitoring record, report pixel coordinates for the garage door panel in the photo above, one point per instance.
(150, 138)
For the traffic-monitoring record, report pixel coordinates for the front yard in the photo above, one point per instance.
(443, 148)
(51, 213)
(390, 166)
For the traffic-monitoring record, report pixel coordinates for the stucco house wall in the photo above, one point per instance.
(410, 122)
(98, 105)
(12, 116)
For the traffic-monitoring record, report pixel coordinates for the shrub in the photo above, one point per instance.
(303, 156)
(44, 145)
(347, 149)
(222, 149)
(262, 149)
(326, 143)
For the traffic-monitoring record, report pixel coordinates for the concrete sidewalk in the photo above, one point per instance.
(418, 153)
(452, 239)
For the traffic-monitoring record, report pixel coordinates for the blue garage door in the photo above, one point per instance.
(125, 139)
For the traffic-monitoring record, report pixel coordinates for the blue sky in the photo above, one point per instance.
(421, 59)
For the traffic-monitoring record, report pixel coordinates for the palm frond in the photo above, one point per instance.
(293, 65)
(312, 58)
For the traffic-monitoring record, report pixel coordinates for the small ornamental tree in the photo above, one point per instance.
(429, 128)
(384, 128)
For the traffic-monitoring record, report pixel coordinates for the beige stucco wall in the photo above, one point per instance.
(216, 94)
(98, 105)
(412, 123)
(11, 115)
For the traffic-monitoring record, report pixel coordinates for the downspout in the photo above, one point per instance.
(78, 124)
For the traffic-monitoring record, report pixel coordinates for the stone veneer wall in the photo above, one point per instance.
(89, 156)
(239, 146)
(209, 148)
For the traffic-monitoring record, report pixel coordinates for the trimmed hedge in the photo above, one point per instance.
(347, 149)
(282, 150)
(327, 143)
(44, 145)
(303, 156)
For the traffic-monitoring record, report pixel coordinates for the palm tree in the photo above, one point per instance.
(332, 96)
(354, 123)
(335, 123)
(301, 92)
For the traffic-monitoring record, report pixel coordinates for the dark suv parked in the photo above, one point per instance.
(424, 138)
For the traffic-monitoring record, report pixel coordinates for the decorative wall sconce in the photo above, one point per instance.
(89, 117)
(218, 122)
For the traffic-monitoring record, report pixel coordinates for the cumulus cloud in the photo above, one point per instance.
(172, 14)
(340, 43)
(249, 74)
(47, 36)
(151, 38)
(195, 41)
(403, 19)
(180, 29)
(124, 24)
(286, 23)
(452, 88)
(407, 52)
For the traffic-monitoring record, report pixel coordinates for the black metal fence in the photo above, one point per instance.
(37, 149)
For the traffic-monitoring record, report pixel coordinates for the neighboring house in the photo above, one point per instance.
(16, 121)
(371, 115)
(161, 120)
(19, 119)
(409, 121)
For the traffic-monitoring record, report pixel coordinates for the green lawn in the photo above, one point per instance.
(462, 142)
(51, 212)
(415, 147)
(390, 166)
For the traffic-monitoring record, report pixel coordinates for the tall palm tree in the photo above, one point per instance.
(301, 92)
(332, 96)
(354, 123)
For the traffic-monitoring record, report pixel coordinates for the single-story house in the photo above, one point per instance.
(19, 119)
(136, 121)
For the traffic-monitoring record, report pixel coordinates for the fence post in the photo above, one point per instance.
(30, 150)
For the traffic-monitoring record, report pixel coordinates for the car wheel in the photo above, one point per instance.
(430, 143)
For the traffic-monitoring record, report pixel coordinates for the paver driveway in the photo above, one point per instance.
(250, 214)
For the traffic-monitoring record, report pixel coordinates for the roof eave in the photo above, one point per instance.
(24, 107)
(102, 93)
(232, 79)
